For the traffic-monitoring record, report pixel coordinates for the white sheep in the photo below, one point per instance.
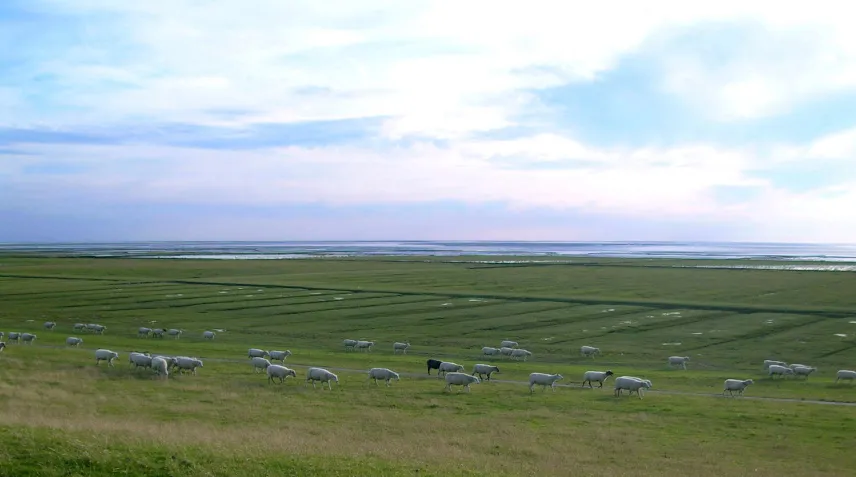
(143, 332)
(73, 341)
(460, 379)
(188, 363)
(279, 355)
(281, 372)
(384, 374)
(449, 367)
(846, 375)
(366, 345)
(484, 369)
(158, 332)
(50, 325)
(803, 370)
(797, 365)
(140, 360)
(105, 355)
(322, 375)
(776, 370)
(520, 353)
(349, 344)
(770, 362)
(508, 344)
(738, 385)
(505, 351)
(544, 380)
(208, 335)
(488, 351)
(396, 347)
(96, 328)
(14, 336)
(631, 383)
(596, 376)
(679, 361)
(79, 327)
(257, 353)
(589, 351)
(259, 363)
(176, 334)
(160, 366)
(28, 338)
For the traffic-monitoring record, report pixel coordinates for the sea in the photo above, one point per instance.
(551, 250)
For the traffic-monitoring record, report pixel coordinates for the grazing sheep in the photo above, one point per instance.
(679, 361)
(484, 369)
(544, 380)
(776, 370)
(460, 379)
(846, 375)
(366, 345)
(738, 385)
(14, 336)
(105, 355)
(803, 370)
(631, 384)
(488, 351)
(144, 332)
(28, 337)
(396, 347)
(596, 376)
(73, 341)
(259, 363)
(433, 364)
(79, 327)
(208, 335)
(796, 365)
(349, 344)
(176, 334)
(97, 329)
(281, 372)
(449, 367)
(508, 344)
(158, 332)
(384, 374)
(188, 363)
(257, 353)
(520, 353)
(770, 362)
(50, 325)
(505, 351)
(160, 366)
(589, 351)
(140, 360)
(321, 374)
(279, 355)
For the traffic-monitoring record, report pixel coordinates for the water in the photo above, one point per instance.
(546, 250)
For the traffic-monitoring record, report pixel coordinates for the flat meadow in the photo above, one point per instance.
(60, 414)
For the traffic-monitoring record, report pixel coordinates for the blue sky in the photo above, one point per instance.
(426, 120)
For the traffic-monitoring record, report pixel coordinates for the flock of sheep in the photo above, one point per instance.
(453, 373)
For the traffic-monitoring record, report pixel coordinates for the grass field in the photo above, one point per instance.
(61, 415)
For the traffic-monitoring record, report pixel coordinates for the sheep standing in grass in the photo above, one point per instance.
(433, 364)
(158, 332)
(487, 369)
(631, 383)
(366, 345)
(14, 336)
(508, 344)
(776, 370)
(738, 385)
(259, 363)
(803, 370)
(797, 365)
(596, 376)
(460, 379)
(384, 374)
(257, 353)
(191, 364)
(349, 344)
(160, 366)
(679, 361)
(105, 355)
(544, 380)
(396, 347)
(50, 325)
(770, 362)
(322, 375)
(1, 335)
(28, 338)
(589, 351)
(488, 351)
(520, 353)
(846, 375)
(73, 341)
(281, 372)
(208, 335)
(279, 355)
(143, 332)
(449, 367)
(79, 327)
(139, 360)
(176, 334)
(506, 351)
(96, 328)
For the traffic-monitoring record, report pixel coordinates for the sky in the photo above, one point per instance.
(432, 120)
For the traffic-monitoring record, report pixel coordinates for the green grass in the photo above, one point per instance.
(60, 415)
